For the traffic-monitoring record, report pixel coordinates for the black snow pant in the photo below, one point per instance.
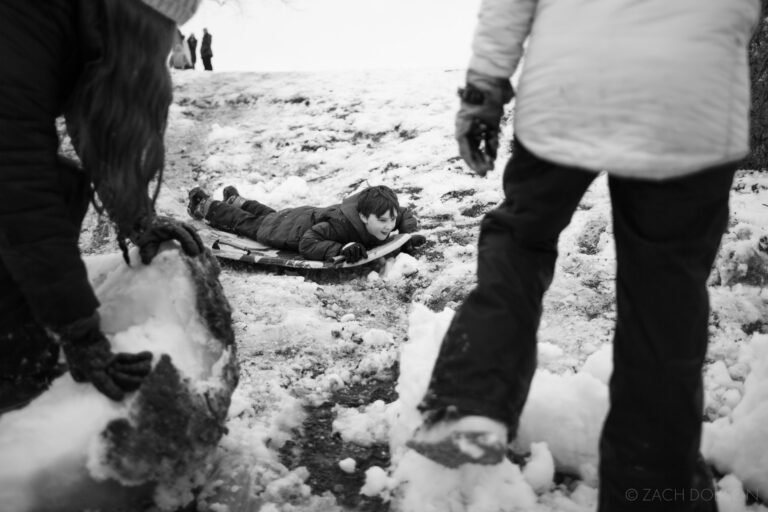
(207, 65)
(667, 234)
(243, 220)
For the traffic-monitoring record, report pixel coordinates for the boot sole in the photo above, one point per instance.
(461, 448)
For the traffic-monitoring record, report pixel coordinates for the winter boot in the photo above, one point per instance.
(29, 362)
(466, 440)
(199, 203)
(233, 197)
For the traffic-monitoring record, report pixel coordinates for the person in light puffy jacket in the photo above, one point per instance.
(362, 221)
(102, 64)
(656, 93)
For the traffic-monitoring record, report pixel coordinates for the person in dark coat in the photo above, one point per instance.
(360, 222)
(192, 44)
(206, 54)
(72, 57)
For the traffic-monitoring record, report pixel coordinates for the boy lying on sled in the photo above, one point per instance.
(360, 222)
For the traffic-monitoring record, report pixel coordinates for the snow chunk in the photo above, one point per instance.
(376, 481)
(348, 465)
(567, 411)
(539, 472)
(730, 442)
(730, 495)
(549, 351)
(600, 364)
(427, 486)
(193, 363)
(365, 427)
(398, 268)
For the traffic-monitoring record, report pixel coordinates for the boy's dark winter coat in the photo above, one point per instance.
(42, 199)
(318, 233)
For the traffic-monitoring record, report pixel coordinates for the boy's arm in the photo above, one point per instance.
(321, 242)
(406, 221)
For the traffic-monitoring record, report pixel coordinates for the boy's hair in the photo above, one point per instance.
(377, 200)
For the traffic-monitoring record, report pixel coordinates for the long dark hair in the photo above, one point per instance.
(118, 112)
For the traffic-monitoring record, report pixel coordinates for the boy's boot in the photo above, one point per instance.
(29, 362)
(452, 440)
(233, 197)
(199, 203)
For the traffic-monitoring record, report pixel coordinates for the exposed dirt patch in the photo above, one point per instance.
(319, 449)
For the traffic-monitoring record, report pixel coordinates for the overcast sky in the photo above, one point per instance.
(303, 35)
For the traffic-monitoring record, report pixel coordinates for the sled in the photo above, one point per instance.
(236, 248)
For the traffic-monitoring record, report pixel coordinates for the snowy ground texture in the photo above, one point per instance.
(333, 365)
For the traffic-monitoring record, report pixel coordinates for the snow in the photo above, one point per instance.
(376, 481)
(730, 440)
(62, 430)
(303, 341)
(539, 471)
(348, 465)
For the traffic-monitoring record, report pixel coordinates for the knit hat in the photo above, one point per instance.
(178, 10)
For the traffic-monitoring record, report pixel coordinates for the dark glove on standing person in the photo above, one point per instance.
(162, 229)
(415, 241)
(90, 359)
(353, 252)
(479, 117)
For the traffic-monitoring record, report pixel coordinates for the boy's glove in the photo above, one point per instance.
(90, 359)
(163, 229)
(353, 252)
(479, 117)
(415, 241)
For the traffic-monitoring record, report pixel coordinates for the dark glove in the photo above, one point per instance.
(90, 359)
(415, 241)
(163, 229)
(353, 252)
(479, 117)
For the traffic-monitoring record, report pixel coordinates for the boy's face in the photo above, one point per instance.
(380, 226)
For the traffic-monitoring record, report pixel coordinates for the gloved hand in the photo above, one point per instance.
(479, 117)
(353, 252)
(163, 229)
(414, 242)
(90, 359)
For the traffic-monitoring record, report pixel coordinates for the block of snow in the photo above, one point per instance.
(75, 448)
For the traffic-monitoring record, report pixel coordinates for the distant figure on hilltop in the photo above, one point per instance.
(192, 44)
(205, 50)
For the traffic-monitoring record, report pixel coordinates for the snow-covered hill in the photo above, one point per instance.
(320, 416)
